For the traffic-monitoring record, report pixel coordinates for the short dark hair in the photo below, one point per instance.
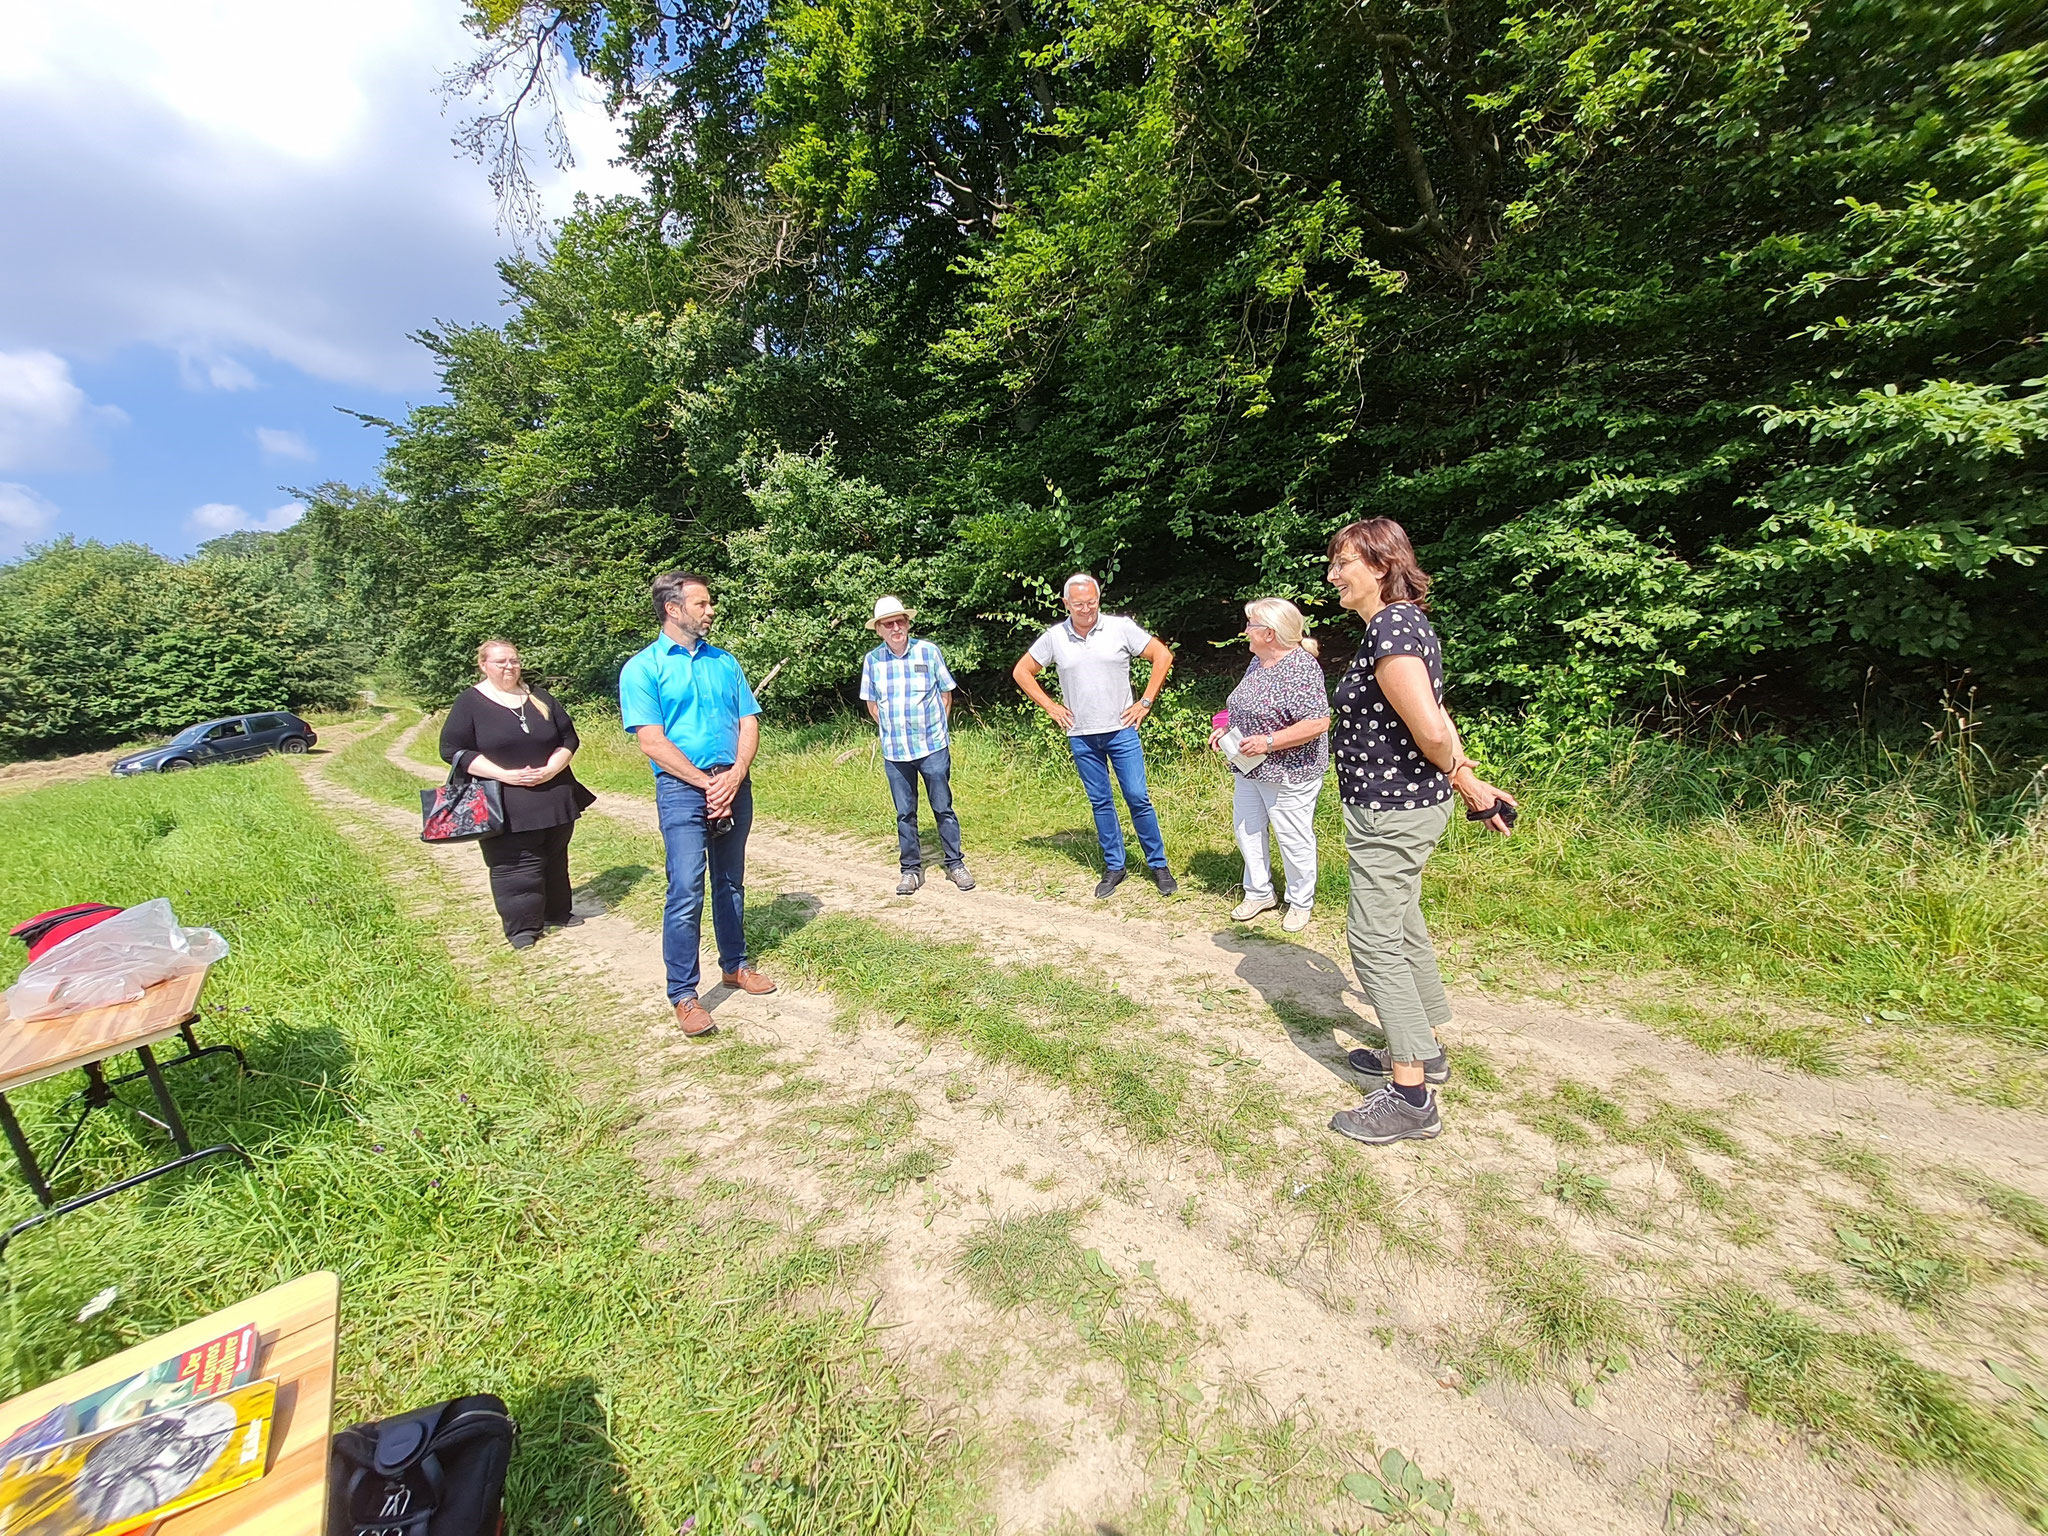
(668, 588)
(1383, 544)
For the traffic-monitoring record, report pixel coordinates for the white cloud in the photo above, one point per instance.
(213, 370)
(46, 421)
(25, 516)
(278, 443)
(222, 517)
(236, 180)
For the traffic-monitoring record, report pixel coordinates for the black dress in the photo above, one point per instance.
(529, 861)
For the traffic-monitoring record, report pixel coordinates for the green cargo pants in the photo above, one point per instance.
(1390, 948)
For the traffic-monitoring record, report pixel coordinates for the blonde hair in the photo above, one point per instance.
(1284, 619)
(492, 644)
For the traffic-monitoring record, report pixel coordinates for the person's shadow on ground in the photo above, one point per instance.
(1305, 988)
(604, 891)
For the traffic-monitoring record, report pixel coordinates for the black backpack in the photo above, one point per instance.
(436, 1471)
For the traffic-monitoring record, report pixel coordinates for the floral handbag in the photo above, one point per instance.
(465, 807)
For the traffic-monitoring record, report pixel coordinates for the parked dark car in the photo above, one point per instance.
(222, 741)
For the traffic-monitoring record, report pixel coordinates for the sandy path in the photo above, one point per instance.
(1308, 1332)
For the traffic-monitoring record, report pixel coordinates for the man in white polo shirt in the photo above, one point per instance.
(1093, 652)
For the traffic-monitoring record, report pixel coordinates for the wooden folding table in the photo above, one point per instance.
(40, 1048)
(296, 1324)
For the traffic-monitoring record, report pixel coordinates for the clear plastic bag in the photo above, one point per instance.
(112, 962)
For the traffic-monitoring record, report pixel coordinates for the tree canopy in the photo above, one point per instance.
(1697, 344)
(102, 643)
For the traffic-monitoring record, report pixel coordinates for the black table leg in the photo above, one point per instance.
(23, 1154)
(171, 1121)
(98, 1094)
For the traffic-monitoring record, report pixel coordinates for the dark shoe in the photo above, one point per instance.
(571, 921)
(1108, 883)
(959, 876)
(1367, 1062)
(694, 1018)
(1163, 878)
(1385, 1116)
(912, 879)
(748, 980)
(522, 940)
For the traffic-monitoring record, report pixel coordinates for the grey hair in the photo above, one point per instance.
(1068, 585)
(1284, 619)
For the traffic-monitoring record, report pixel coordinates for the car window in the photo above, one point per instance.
(269, 723)
(226, 730)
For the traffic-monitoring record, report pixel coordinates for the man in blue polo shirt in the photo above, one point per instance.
(689, 706)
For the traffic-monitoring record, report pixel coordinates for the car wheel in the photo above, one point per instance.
(177, 765)
(293, 745)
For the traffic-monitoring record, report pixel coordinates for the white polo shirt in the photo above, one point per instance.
(1095, 670)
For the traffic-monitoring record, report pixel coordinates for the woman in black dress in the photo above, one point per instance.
(508, 730)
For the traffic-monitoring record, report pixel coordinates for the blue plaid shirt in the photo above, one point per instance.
(905, 692)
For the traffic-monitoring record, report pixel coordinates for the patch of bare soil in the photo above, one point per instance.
(16, 777)
(1661, 1168)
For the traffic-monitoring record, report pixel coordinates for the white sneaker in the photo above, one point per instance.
(1251, 907)
(1296, 919)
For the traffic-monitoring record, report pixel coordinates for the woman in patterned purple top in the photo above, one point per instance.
(1399, 761)
(1281, 713)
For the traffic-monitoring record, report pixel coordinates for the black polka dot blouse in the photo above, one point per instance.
(1379, 767)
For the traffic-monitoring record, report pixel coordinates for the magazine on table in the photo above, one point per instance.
(120, 1480)
(217, 1366)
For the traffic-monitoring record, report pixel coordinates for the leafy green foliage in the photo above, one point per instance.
(100, 644)
(1697, 344)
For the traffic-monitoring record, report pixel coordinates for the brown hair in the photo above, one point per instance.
(1383, 544)
(668, 588)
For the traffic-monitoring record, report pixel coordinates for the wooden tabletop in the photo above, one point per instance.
(44, 1047)
(297, 1323)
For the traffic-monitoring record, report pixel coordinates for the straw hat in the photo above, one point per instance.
(890, 608)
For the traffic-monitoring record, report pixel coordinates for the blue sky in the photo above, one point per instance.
(220, 222)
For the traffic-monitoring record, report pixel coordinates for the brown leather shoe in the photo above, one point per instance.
(694, 1017)
(748, 980)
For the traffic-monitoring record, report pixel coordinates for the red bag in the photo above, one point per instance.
(464, 808)
(48, 929)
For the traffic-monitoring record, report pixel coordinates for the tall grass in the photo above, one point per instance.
(427, 1141)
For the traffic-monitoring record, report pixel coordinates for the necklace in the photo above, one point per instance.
(492, 692)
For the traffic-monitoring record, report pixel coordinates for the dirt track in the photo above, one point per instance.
(1348, 1342)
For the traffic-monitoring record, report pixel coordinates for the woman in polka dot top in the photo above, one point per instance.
(1399, 761)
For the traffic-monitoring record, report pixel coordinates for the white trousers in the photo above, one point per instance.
(1290, 810)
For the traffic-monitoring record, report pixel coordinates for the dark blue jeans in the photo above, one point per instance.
(1095, 757)
(936, 769)
(680, 808)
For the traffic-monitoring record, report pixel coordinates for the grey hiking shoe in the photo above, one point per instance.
(1367, 1062)
(1385, 1116)
(959, 876)
(912, 879)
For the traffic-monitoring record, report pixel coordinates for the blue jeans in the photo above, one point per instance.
(680, 808)
(1094, 757)
(936, 769)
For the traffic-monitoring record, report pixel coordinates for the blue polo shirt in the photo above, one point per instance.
(697, 698)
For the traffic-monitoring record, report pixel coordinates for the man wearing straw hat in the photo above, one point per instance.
(909, 694)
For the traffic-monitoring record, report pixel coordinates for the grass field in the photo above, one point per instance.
(418, 1132)
(1789, 902)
